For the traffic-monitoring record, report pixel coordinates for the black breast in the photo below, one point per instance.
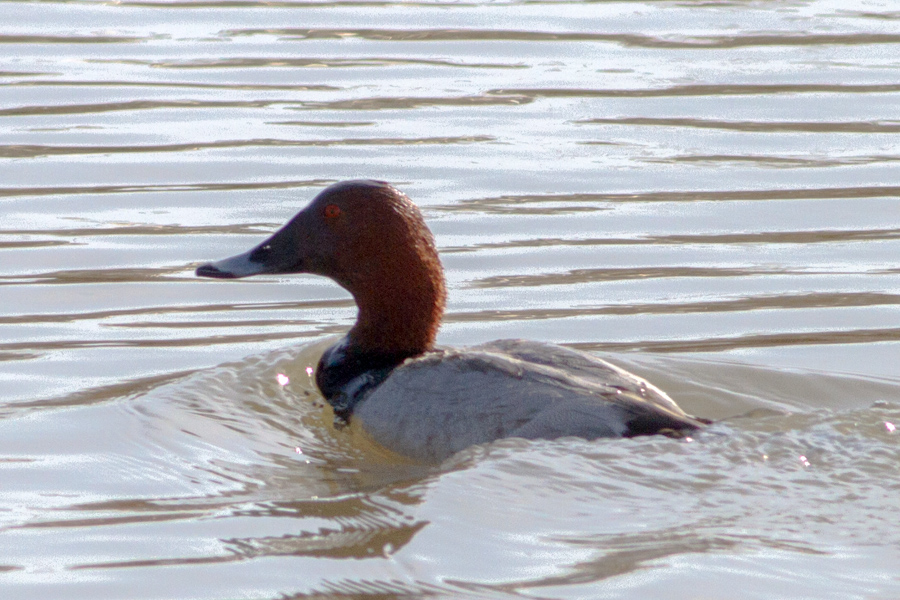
(345, 376)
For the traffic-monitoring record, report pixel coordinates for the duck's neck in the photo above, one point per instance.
(400, 312)
(403, 330)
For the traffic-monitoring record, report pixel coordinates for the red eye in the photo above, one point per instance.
(332, 211)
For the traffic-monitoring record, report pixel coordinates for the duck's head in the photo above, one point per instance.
(372, 240)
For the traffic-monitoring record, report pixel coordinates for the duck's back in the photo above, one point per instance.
(437, 404)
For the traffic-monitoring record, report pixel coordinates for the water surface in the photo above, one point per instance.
(705, 193)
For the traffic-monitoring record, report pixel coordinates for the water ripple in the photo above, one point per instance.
(11, 192)
(764, 126)
(507, 203)
(626, 40)
(724, 89)
(31, 151)
(312, 62)
(70, 39)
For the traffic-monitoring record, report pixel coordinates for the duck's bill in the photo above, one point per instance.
(232, 268)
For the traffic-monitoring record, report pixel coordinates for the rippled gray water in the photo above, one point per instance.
(703, 192)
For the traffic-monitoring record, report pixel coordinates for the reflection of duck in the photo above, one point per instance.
(423, 402)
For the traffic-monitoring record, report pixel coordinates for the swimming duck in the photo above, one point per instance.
(386, 374)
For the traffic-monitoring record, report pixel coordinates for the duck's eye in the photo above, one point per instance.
(332, 211)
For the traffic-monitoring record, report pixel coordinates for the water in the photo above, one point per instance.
(704, 193)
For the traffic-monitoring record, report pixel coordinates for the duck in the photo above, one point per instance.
(419, 400)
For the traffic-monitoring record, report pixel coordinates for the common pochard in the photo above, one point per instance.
(386, 374)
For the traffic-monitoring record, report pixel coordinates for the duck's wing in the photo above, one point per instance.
(585, 367)
(435, 405)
